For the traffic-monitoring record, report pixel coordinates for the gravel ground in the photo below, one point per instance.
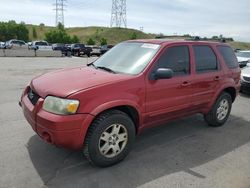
(184, 153)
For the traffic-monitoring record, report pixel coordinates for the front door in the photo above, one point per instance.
(169, 98)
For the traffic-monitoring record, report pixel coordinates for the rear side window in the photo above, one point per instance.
(177, 59)
(228, 56)
(205, 59)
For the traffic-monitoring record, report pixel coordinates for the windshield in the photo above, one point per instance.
(243, 54)
(41, 44)
(128, 57)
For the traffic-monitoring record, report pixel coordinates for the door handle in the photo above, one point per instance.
(186, 83)
(216, 78)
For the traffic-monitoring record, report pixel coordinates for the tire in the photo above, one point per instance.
(220, 111)
(102, 146)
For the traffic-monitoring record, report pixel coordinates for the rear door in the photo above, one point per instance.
(167, 98)
(207, 76)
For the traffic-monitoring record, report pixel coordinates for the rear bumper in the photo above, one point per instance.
(63, 131)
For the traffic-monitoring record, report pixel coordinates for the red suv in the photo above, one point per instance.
(101, 107)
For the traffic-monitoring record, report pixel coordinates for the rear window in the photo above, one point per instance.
(205, 59)
(228, 56)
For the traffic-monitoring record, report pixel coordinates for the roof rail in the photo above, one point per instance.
(197, 38)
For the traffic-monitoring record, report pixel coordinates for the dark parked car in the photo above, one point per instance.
(60, 47)
(100, 108)
(105, 48)
(80, 49)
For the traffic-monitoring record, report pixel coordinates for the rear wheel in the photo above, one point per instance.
(109, 138)
(220, 111)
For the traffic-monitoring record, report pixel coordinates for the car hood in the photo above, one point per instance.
(65, 82)
(240, 59)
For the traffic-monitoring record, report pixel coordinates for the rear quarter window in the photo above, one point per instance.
(228, 55)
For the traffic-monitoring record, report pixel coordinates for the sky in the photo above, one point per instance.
(196, 17)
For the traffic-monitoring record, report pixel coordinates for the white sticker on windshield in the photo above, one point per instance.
(151, 46)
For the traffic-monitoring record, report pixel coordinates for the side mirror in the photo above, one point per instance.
(163, 73)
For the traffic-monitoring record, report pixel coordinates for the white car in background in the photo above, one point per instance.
(2, 45)
(40, 45)
(245, 79)
(243, 57)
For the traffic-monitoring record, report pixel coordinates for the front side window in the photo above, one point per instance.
(128, 57)
(205, 59)
(177, 59)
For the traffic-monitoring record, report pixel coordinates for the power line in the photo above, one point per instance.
(118, 13)
(60, 8)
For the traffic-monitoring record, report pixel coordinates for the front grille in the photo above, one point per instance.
(33, 97)
(246, 78)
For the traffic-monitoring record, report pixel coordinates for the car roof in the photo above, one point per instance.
(176, 41)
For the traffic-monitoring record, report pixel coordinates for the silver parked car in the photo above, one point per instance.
(245, 79)
(243, 57)
(14, 43)
(2, 44)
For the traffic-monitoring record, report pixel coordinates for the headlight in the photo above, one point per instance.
(60, 106)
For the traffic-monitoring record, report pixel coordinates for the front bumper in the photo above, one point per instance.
(64, 131)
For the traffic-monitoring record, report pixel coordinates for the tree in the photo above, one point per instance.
(59, 35)
(103, 41)
(90, 41)
(133, 36)
(75, 39)
(34, 33)
(60, 26)
(22, 32)
(12, 30)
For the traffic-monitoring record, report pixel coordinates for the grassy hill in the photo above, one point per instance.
(113, 35)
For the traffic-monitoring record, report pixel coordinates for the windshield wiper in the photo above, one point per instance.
(91, 64)
(106, 69)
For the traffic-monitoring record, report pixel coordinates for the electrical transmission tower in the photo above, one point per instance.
(60, 8)
(118, 14)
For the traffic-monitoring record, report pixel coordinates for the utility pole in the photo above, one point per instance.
(59, 8)
(119, 13)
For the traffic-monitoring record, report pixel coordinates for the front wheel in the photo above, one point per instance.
(220, 111)
(109, 138)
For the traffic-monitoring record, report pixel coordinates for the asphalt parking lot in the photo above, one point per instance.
(182, 153)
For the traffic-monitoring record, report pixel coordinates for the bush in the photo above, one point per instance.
(133, 36)
(75, 39)
(90, 41)
(103, 41)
